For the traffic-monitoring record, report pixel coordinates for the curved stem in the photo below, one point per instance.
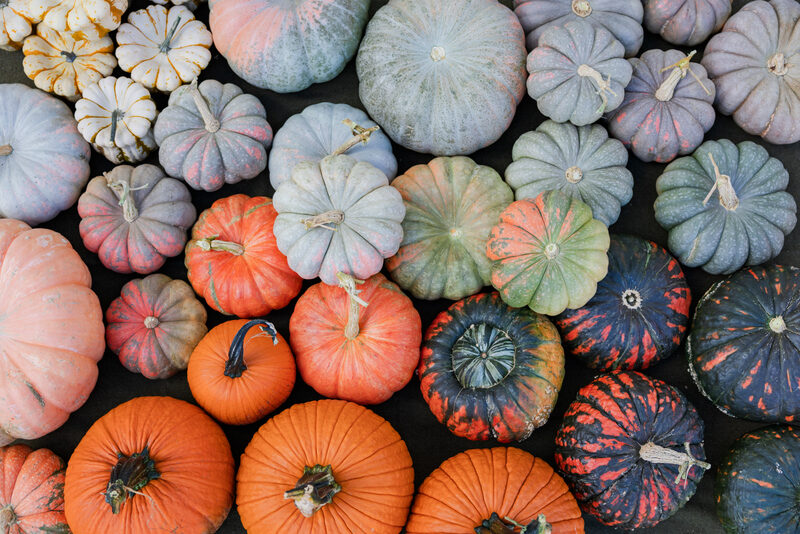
(122, 190)
(7, 518)
(128, 477)
(210, 121)
(656, 454)
(69, 56)
(6, 150)
(727, 194)
(360, 135)
(348, 283)
(164, 48)
(666, 90)
(235, 365)
(777, 64)
(212, 243)
(603, 86)
(324, 219)
(314, 489)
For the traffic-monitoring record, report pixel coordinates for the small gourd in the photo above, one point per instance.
(685, 22)
(16, 24)
(83, 19)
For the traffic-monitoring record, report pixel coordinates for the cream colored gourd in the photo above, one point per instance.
(15, 23)
(84, 19)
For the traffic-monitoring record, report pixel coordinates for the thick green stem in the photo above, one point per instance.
(656, 454)
(496, 525)
(212, 243)
(360, 135)
(116, 116)
(235, 366)
(314, 489)
(348, 283)
(129, 477)
(6, 150)
(7, 518)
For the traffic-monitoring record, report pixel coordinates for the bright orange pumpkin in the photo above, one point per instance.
(239, 374)
(326, 466)
(152, 464)
(359, 344)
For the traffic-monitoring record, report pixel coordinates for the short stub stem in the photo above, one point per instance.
(69, 56)
(777, 324)
(122, 190)
(438, 53)
(574, 175)
(656, 454)
(582, 8)
(128, 477)
(348, 283)
(6, 150)
(602, 86)
(551, 251)
(324, 220)
(506, 525)
(314, 489)
(7, 518)
(727, 194)
(777, 64)
(212, 243)
(211, 123)
(235, 366)
(151, 322)
(360, 135)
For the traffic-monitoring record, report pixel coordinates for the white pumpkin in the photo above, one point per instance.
(59, 64)
(190, 4)
(116, 115)
(162, 49)
(15, 23)
(83, 19)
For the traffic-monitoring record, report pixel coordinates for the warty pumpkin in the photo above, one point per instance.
(685, 22)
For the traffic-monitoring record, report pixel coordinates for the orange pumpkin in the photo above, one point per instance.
(325, 466)
(152, 464)
(346, 352)
(239, 374)
(494, 491)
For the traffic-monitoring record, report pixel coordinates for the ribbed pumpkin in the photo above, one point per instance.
(52, 324)
(233, 261)
(348, 353)
(685, 22)
(639, 315)
(152, 464)
(154, 325)
(83, 19)
(239, 374)
(491, 371)
(451, 206)
(631, 449)
(15, 24)
(325, 466)
(496, 491)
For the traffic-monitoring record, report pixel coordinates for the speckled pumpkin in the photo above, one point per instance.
(15, 24)
(685, 22)
(82, 19)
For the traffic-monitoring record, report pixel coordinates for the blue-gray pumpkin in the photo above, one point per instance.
(685, 22)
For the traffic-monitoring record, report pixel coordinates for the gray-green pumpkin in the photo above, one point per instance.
(579, 161)
(725, 206)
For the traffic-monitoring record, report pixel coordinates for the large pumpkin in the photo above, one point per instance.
(51, 331)
(457, 72)
(491, 371)
(497, 490)
(685, 22)
(152, 464)
(451, 206)
(346, 353)
(356, 478)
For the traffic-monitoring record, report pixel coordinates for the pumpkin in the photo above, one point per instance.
(15, 25)
(451, 205)
(685, 22)
(725, 206)
(756, 485)
(59, 64)
(348, 354)
(32, 493)
(319, 130)
(581, 162)
(239, 374)
(743, 345)
(44, 162)
(83, 19)
(457, 72)
(152, 464)
(577, 72)
(631, 449)
(212, 134)
(639, 315)
(548, 253)
(623, 18)
(154, 325)
(338, 214)
(489, 371)
(495, 490)
(163, 48)
(664, 113)
(116, 115)
(47, 371)
(357, 477)
(287, 46)
(135, 218)
(233, 261)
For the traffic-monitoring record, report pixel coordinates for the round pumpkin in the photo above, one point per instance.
(577, 72)
(639, 315)
(51, 331)
(82, 19)
(319, 130)
(548, 253)
(498, 490)
(233, 261)
(489, 371)
(742, 349)
(135, 218)
(239, 374)
(154, 325)
(32, 491)
(685, 22)
(44, 161)
(631, 449)
(287, 46)
(451, 205)
(581, 162)
(15, 24)
(755, 64)
(338, 214)
(725, 206)
(457, 72)
(346, 353)
(356, 478)
(152, 464)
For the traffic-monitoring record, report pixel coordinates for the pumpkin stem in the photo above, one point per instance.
(122, 190)
(657, 454)
(6, 150)
(727, 194)
(574, 175)
(170, 34)
(212, 243)
(348, 283)
(210, 121)
(128, 477)
(495, 525)
(438, 53)
(235, 365)
(314, 489)
(582, 8)
(69, 56)
(551, 251)
(777, 64)
(151, 322)
(777, 324)
(666, 90)
(360, 135)
(603, 86)
(116, 116)
(323, 219)
(7, 518)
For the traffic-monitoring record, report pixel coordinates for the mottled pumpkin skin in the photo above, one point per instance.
(757, 485)
(639, 315)
(503, 396)
(685, 22)
(597, 449)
